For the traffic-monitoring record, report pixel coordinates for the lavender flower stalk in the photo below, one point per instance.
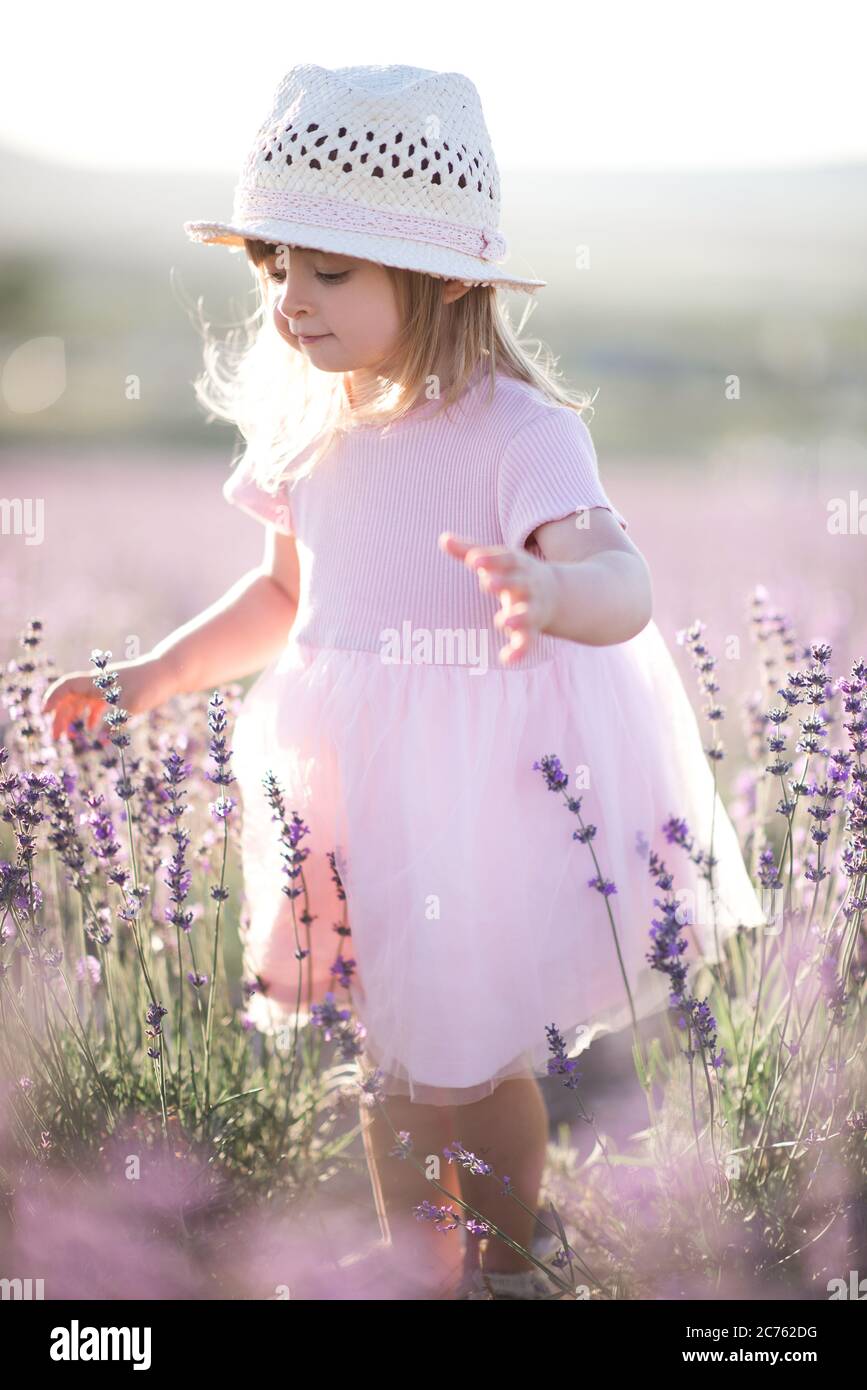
(222, 809)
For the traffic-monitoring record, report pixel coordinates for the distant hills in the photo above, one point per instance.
(659, 283)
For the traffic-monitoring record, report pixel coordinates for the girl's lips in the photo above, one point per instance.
(312, 337)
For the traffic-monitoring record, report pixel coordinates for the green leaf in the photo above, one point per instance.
(236, 1096)
(639, 1066)
(655, 1059)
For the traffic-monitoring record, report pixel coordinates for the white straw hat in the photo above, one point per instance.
(389, 164)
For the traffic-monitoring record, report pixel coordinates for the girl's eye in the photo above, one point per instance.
(277, 277)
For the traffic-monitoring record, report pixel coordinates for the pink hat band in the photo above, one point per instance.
(291, 206)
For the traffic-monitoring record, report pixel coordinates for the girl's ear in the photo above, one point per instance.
(454, 289)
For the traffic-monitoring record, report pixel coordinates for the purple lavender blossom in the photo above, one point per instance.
(552, 770)
(371, 1088)
(403, 1148)
(179, 876)
(561, 1064)
(665, 955)
(443, 1217)
(605, 886)
(291, 833)
(155, 1015)
(107, 684)
(217, 721)
(344, 969)
(338, 881)
(328, 1016)
(458, 1154)
(705, 665)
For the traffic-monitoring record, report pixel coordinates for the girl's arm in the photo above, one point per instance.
(241, 632)
(602, 591)
(238, 634)
(600, 601)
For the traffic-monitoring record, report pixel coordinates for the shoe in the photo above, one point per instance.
(524, 1284)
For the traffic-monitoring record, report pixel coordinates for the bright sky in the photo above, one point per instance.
(617, 84)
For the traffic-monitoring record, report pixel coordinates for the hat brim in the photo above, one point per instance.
(428, 259)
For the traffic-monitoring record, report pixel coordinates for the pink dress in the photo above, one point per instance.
(408, 751)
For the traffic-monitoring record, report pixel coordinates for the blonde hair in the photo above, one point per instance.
(281, 404)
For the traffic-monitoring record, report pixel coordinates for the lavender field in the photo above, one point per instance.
(718, 1151)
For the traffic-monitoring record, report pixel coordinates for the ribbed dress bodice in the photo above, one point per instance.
(367, 519)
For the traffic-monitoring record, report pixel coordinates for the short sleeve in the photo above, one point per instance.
(242, 491)
(548, 470)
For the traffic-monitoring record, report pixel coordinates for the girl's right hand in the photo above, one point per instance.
(74, 696)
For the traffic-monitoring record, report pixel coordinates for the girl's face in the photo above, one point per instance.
(347, 306)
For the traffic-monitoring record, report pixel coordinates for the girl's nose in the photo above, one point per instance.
(291, 299)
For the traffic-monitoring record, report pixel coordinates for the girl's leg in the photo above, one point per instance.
(509, 1130)
(398, 1186)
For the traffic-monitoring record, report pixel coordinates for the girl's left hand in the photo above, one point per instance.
(526, 586)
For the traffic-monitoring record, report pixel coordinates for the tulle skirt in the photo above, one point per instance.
(474, 925)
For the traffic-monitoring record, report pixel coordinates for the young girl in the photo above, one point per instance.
(429, 491)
